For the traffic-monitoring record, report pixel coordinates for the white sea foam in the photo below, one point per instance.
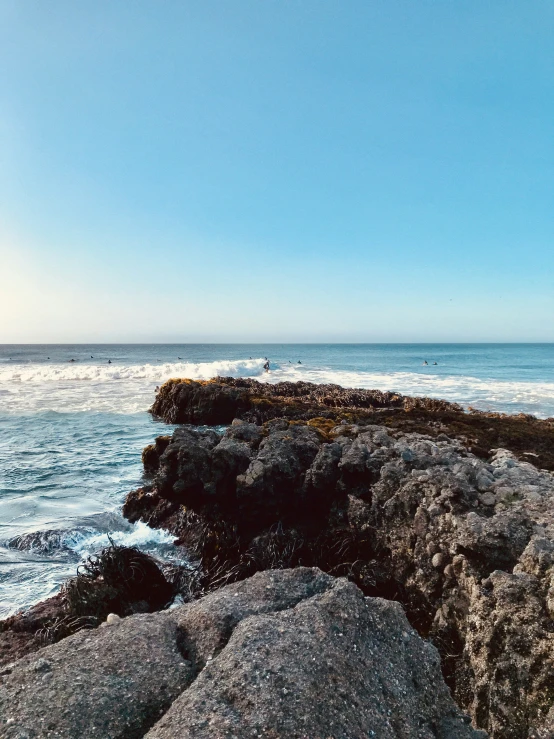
(485, 394)
(74, 373)
(129, 388)
(125, 388)
(139, 535)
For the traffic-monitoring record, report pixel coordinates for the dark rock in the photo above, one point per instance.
(222, 399)
(270, 488)
(152, 453)
(28, 631)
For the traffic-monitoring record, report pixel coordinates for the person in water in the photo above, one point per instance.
(425, 361)
(299, 362)
(109, 361)
(266, 366)
(435, 363)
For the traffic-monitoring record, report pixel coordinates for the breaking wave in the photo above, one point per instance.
(129, 388)
(37, 563)
(125, 388)
(57, 373)
(482, 393)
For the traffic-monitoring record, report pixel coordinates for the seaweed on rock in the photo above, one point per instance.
(120, 580)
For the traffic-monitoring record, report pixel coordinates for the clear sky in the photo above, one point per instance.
(276, 170)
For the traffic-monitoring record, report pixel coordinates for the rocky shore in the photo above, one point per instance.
(435, 530)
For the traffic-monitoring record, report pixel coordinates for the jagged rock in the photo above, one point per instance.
(258, 655)
(151, 454)
(404, 516)
(222, 399)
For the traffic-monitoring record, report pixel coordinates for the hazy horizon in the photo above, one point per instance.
(274, 343)
(305, 172)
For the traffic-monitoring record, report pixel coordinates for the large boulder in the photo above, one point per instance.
(284, 654)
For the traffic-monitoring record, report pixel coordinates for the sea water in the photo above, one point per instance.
(72, 432)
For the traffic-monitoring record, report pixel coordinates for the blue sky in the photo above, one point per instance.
(302, 170)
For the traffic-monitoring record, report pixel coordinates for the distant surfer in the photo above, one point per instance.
(109, 361)
(425, 361)
(91, 356)
(180, 358)
(435, 363)
(299, 362)
(266, 366)
(71, 360)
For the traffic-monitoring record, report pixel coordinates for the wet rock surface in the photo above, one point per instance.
(286, 653)
(465, 544)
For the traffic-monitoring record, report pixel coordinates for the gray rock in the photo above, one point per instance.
(103, 684)
(337, 665)
(206, 625)
(257, 655)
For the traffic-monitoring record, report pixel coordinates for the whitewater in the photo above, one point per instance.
(73, 422)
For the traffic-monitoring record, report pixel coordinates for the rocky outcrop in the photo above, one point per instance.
(222, 399)
(465, 544)
(283, 654)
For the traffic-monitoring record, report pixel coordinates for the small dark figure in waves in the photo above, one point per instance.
(266, 366)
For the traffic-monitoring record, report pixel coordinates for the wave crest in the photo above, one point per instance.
(158, 373)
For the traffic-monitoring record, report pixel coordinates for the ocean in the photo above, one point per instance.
(72, 432)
